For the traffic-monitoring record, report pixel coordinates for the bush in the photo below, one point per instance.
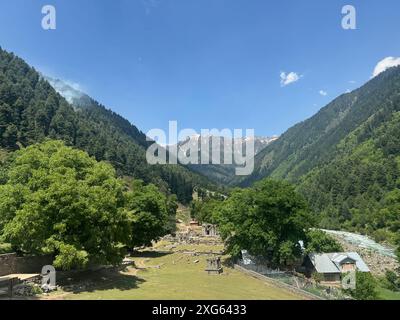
(381, 235)
(317, 277)
(5, 248)
(366, 287)
(392, 280)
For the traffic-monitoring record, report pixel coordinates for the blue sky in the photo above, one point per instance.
(206, 63)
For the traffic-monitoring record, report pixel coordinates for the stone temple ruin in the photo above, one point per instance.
(209, 230)
(214, 266)
(184, 237)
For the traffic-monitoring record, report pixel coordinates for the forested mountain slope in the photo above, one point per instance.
(314, 141)
(346, 159)
(31, 110)
(359, 188)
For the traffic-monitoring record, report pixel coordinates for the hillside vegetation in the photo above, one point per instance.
(345, 159)
(31, 110)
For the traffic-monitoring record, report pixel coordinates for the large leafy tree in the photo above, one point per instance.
(268, 220)
(57, 200)
(203, 210)
(150, 214)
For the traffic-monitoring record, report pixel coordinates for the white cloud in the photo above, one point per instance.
(74, 85)
(352, 82)
(288, 78)
(385, 64)
(323, 93)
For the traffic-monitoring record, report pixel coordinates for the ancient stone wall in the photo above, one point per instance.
(7, 263)
(12, 264)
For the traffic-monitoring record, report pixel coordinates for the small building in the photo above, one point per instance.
(331, 266)
(214, 266)
(209, 230)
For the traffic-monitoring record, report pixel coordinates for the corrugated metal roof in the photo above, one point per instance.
(338, 257)
(361, 265)
(323, 264)
(330, 262)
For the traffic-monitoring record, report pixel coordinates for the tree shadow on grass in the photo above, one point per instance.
(150, 254)
(228, 262)
(90, 281)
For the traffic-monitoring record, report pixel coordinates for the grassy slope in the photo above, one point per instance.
(180, 278)
(386, 294)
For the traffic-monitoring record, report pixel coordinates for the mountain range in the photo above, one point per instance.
(219, 174)
(222, 174)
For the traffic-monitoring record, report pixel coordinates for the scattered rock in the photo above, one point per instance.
(377, 263)
(27, 290)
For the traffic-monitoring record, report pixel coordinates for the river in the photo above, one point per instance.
(363, 242)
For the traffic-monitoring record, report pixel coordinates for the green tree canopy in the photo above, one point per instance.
(319, 242)
(57, 200)
(150, 213)
(268, 220)
(203, 210)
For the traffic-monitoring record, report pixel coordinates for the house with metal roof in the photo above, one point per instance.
(331, 266)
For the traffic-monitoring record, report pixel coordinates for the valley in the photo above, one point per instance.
(75, 187)
(161, 273)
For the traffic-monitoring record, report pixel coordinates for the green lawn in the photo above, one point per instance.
(386, 294)
(177, 276)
